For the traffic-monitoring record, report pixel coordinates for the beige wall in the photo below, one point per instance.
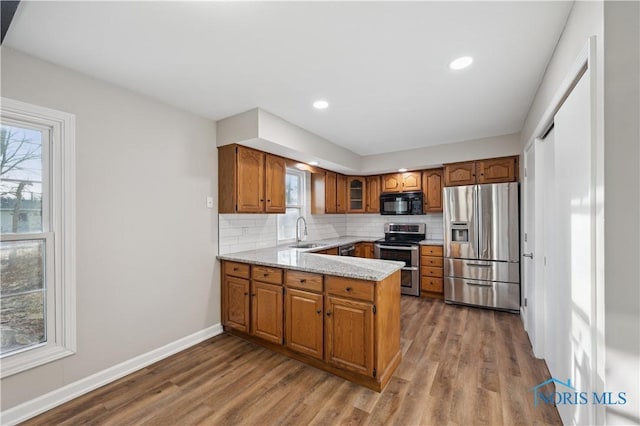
(146, 243)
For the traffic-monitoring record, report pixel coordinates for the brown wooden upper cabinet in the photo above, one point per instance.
(432, 186)
(372, 199)
(491, 170)
(250, 181)
(400, 182)
(356, 194)
(328, 193)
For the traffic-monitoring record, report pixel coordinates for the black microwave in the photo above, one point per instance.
(401, 203)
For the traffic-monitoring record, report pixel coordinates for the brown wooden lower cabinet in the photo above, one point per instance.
(304, 322)
(266, 311)
(345, 326)
(349, 337)
(431, 271)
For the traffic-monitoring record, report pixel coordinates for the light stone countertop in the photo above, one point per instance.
(301, 260)
(432, 243)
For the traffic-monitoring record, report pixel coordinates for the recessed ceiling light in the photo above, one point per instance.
(460, 63)
(313, 163)
(320, 104)
(402, 170)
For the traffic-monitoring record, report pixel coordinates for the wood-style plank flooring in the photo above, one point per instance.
(460, 366)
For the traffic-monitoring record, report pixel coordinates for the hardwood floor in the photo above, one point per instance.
(460, 366)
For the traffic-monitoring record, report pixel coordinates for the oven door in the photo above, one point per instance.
(410, 274)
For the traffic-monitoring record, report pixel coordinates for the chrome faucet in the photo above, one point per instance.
(298, 239)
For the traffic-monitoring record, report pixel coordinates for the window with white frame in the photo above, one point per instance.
(37, 238)
(295, 202)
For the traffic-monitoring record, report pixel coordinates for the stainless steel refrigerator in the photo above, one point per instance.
(482, 246)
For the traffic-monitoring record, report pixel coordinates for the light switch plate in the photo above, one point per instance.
(209, 202)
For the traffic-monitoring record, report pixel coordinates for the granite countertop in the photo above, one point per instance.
(432, 243)
(302, 260)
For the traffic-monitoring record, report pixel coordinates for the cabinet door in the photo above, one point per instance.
(373, 194)
(275, 172)
(266, 311)
(411, 181)
(460, 174)
(356, 194)
(349, 334)
(330, 192)
(497, 170)
(235, 310)
(304, 322)
(250, 180)
(368, 250)
(341, 194)
(432, 184)
(392, 183)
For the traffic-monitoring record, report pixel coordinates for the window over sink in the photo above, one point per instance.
(295, 196)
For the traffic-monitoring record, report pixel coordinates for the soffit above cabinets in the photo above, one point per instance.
(382, 66)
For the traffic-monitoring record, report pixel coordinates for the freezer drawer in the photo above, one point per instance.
(496, 295)
(486, 270)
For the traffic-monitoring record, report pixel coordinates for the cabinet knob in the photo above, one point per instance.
(328, 314)
(319, 311)
(303, 280)
(235, 269)
(348, 289)
(268, 200)
(262, 199)
(246, 294)
(253, 295)
(266, 274)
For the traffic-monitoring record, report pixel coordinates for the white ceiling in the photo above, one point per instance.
(383, 66)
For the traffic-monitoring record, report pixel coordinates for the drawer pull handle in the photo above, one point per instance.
(348, 289)
(479, 265)
(478, 284)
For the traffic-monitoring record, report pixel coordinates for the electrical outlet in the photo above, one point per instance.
(209, 202)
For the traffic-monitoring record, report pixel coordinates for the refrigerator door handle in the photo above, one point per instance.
(478, 284)
(479, 265)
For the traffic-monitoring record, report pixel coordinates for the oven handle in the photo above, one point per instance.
(412, 248)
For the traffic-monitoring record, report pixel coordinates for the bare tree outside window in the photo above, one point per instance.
(22, 253)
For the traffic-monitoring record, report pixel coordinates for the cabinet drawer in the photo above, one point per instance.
(431, 272)
(304, 280)
(347, 287)
(426, 261)
(236, 269)
(431, 284)
(266, 274)
(431, 250)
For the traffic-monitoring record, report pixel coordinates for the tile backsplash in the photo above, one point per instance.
(240, 232)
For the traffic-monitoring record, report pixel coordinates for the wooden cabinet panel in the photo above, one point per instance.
(330, 192)
(392, 183)
(266, 274)
(431, 284)
(429, 261)
(332, 251)
(368, 250)
(432, 182)
(349, 334)
(341, 194)
(356, 194)
(431, 250)
(349, 287)
(304, 322)
(236, 303)
(250, 180)
(304, 280)
(497, 170)
(266, 311)
(431, 272)
(411, 181)
(460, 173)
(373, 194)
(236, 269)
(275, 174)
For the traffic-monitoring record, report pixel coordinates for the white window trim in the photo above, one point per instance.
(62, 207)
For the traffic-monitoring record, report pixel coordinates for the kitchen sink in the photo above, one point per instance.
(305, 245)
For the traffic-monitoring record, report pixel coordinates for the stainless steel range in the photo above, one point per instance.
(401, 243)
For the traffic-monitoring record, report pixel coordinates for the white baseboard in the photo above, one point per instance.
(66, 393)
